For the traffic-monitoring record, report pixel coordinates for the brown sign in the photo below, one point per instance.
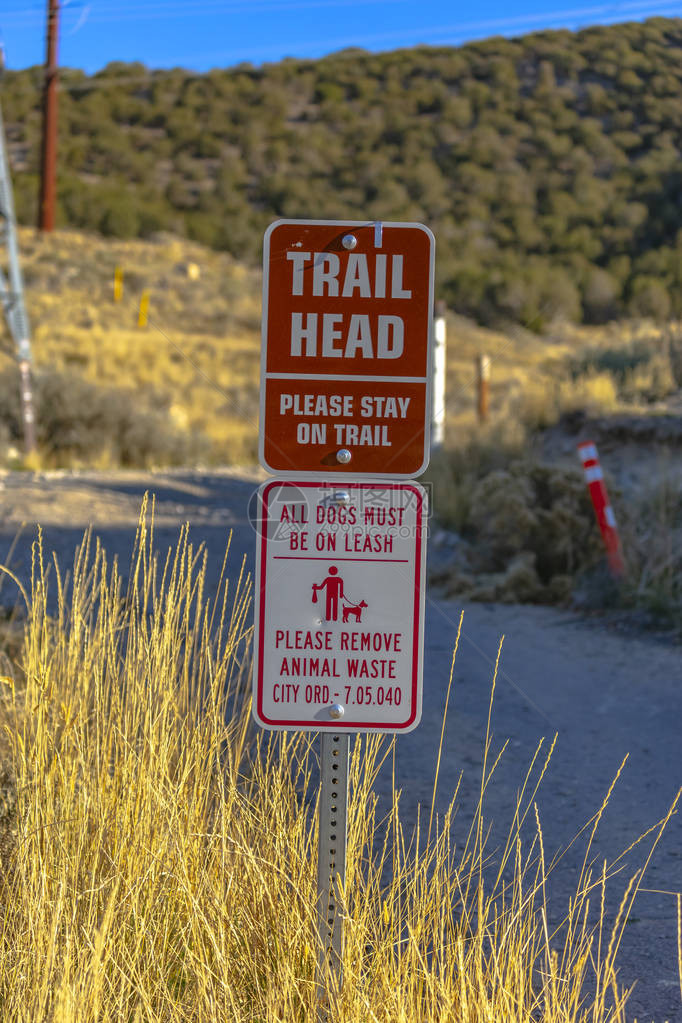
(347, 313)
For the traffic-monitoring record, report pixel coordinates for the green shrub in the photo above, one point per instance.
(80, 423)
(644, 367)
(649, 297)
(119, 218)
(618, 360)
(529, 529)
(528, 507)
(552, 195)
(673, 338)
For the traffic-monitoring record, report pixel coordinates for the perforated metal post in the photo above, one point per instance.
(331, 857)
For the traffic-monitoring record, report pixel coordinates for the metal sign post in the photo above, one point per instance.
(331, 857)
(338, 643)
(346, 392)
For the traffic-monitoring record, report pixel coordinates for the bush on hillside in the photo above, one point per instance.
(643, 367)
(79, 423)
(548, 171)
(528, 529)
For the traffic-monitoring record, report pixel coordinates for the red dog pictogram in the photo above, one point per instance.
(356, 611)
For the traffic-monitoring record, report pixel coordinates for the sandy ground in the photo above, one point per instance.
(604, 692)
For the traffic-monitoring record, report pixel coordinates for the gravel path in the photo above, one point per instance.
(605, 693)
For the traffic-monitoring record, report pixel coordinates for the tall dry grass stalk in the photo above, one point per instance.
(163, 864)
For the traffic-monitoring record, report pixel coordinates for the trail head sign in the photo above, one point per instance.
(346, 353)
(339, 606)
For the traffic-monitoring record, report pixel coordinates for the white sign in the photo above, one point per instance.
(340, 606)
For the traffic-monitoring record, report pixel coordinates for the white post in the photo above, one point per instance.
(438, 380)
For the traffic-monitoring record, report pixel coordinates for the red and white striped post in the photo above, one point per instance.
(602, 507)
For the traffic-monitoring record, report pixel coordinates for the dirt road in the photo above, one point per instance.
(604, 692)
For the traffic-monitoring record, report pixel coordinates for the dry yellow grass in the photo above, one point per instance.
(198, 357)
(162, 862)
(534, 379)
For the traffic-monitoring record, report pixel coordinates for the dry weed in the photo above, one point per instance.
(164, 858)
(652, 544)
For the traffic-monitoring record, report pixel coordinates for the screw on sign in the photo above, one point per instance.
(602, 506)
(346, 355)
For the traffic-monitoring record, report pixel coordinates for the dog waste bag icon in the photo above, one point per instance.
(334, 593)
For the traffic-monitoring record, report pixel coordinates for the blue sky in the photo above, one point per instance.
(201, 34)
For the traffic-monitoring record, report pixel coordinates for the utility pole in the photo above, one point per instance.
(49, 144)
(12, 295)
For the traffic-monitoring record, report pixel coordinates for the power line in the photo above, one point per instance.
(138, 12)
(449, 34)
(453, 34)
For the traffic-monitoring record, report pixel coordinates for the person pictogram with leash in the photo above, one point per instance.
(333, 586)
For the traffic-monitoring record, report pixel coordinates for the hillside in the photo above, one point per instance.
(194, 367)
(181, 389)
(547, 165)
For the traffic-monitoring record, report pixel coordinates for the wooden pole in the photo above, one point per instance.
(483, 386)
(49, 144)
